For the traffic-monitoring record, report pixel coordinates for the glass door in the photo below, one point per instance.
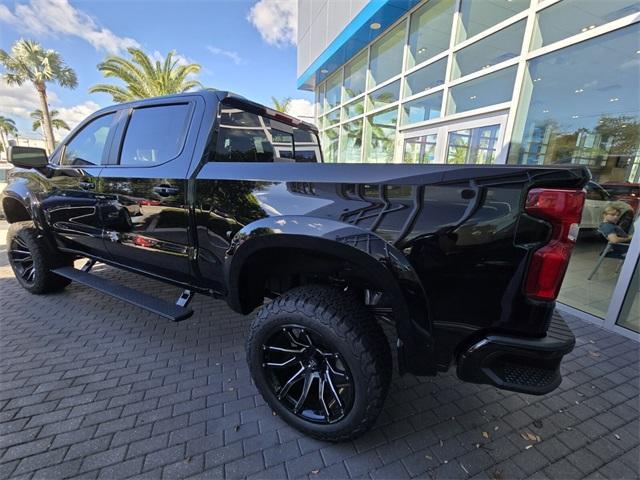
(479, 141)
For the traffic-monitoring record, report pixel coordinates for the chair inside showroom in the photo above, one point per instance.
(612, 250)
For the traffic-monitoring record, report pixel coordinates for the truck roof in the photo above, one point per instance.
(235, 100)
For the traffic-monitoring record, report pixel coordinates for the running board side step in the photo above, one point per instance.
(158, 306)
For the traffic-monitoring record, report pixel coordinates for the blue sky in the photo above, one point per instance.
(246, 46)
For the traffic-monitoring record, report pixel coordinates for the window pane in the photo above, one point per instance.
(154, 135)
(320, 101)
(243, 137)
(355, 76)
(487, 90)
(574, 113)
(380, 136)
(570, 17)
(332, 98)
(353, 109)
(473, 145)
(330, 145)
(332, 118)
(384, 96)
(420, 149)
(88, 146)
(421, 109)
(386, 56)
(430, 30)
(351, 142)
(630, 313)
(428, 77)
(496, 48)
(478, 15)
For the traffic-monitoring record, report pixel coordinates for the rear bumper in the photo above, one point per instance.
(521, 364)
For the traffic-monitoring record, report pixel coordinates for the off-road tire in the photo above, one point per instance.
(45, 258)
(351, 330)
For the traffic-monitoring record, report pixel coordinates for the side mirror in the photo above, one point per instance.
(27, 157)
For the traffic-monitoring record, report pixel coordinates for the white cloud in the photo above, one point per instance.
(21, 101)
(6, 15)
(276, 20)
(58, 17)
(301, 108)
(233, 56)
(74, 115)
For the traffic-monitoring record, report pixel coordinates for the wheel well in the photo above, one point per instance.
(14, 210)
(272, 271)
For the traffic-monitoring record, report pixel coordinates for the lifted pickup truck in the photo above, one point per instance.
(225, 197)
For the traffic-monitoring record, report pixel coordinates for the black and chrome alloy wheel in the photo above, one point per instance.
(320, 361)
(32, 259)
(21, 260)
(307, 376)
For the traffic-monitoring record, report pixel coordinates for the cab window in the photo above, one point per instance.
(248, 137)
(88, 146)
(155, 135)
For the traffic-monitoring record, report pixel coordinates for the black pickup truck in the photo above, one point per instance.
(460, 264)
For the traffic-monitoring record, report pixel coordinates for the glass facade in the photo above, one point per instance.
(478, 15)
(516, 81)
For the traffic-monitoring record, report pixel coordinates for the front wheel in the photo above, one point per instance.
(321, 362)
(32, 260)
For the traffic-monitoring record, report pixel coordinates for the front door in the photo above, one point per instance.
(71, 204)
(144, 191)
(477, 141)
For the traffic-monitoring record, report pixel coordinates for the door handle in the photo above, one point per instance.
(166, 190)
(87, 185)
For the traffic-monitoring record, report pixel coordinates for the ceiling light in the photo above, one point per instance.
(590, 27)
(614, 99)
(537, 79)
(545, 111)
(637, 51)
(623, 126)
(375, 26)
(324, 70)
(486, 66)
(579, 90)
(575, 116)
(472, 97)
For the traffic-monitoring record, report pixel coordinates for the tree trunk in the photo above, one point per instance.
(46, 118)
(5, 145)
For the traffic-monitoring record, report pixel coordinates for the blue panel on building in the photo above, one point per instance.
(356, 35)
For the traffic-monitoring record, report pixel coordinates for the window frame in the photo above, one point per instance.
(108, 144)
(124, 120)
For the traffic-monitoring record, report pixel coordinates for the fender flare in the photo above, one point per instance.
(378, 258)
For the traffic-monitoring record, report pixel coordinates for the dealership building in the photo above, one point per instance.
(529, 82)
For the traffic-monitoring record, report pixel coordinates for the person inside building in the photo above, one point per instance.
(612, 232)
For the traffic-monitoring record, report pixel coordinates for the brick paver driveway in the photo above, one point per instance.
(93, 388)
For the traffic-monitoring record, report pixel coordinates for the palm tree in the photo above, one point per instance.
(7, 127)
(143, 78)
(282, 104)
(56, 123)
(29, 62)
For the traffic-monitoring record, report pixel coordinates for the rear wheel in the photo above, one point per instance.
(32, 259)
(320, 361)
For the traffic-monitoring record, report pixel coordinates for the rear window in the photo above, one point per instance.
(247, 137)
(155, 135)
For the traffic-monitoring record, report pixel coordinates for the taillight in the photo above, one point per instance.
(563, 208)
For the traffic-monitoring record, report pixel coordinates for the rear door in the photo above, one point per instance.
(72, 204)
(145, 214)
